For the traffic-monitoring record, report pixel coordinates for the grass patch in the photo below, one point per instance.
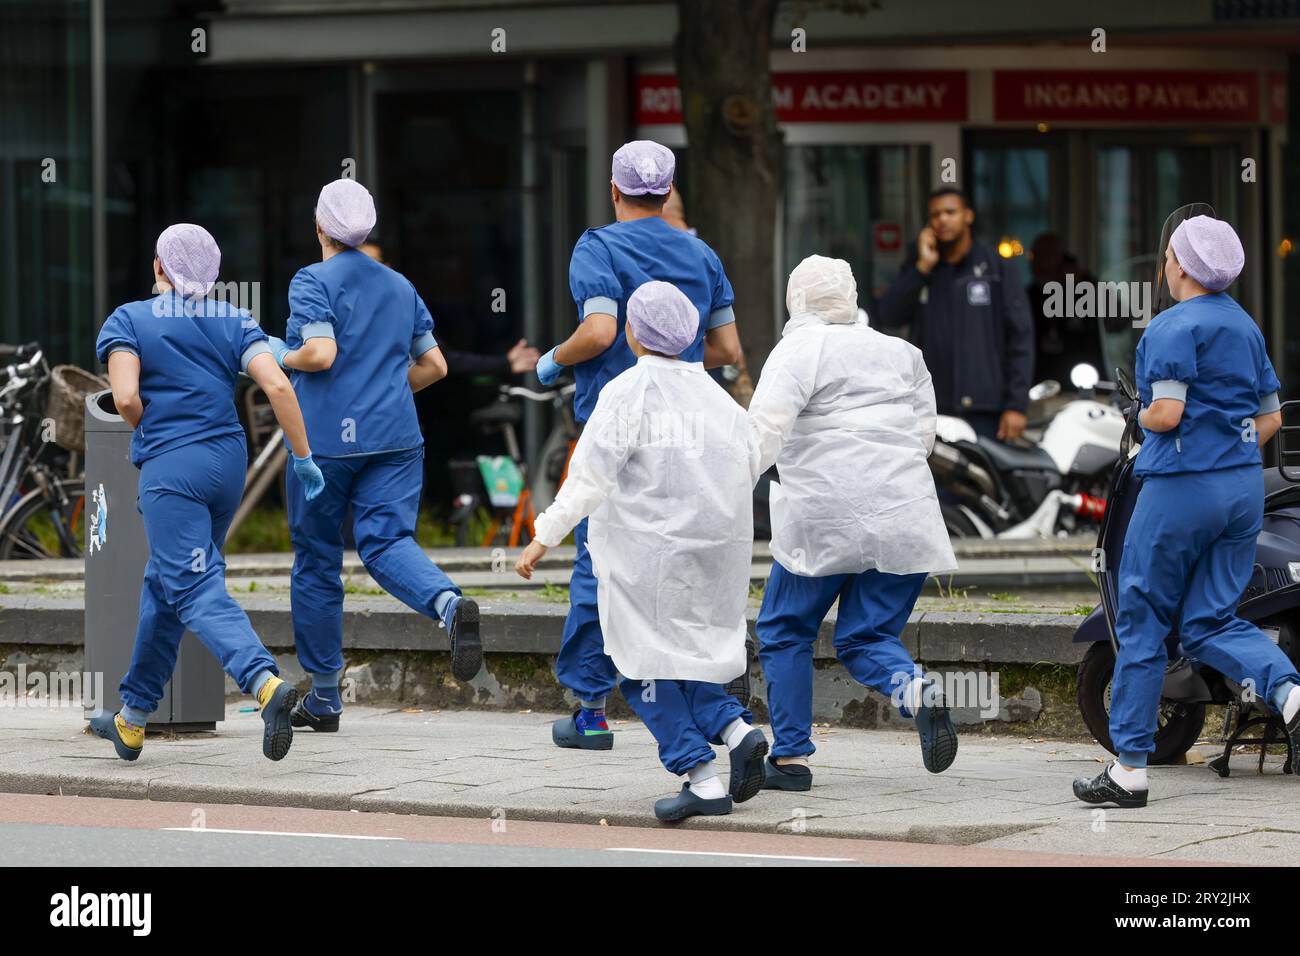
(266, 531)
(554, 594)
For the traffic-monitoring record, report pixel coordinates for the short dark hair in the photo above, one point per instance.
(646, 201)
(947, 191)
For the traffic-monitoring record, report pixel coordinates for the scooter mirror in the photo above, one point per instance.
(1126, 386)
(1049, 388)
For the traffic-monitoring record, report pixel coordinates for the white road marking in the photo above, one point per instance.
(751, 856)
(323, 836)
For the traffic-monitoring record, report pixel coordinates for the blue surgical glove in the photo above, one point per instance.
(313, 482)
(279, 348)
(548, 370)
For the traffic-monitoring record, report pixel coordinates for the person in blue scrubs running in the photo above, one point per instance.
(608, 265)
(1210, 401)
(172, 364)
(360, 342)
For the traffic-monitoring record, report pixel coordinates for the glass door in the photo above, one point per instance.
(1136, 186)
(859, 202)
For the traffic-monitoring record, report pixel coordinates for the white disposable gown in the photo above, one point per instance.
(848, 416)
(665, 467)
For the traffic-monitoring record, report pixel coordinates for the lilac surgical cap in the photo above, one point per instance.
(1209, 251)
(345, 211)
(643, 166)
(190, 258)
(662, 318)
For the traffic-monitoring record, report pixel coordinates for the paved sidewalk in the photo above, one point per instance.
(1002, 792)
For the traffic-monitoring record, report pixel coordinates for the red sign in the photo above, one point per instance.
(1125, 96)
(892, 96)
(888, 236)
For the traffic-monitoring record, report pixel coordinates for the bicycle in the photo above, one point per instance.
(504, 483)
(41, 511)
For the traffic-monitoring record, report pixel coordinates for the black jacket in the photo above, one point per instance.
(971, 321)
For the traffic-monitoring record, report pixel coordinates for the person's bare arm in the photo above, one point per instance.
(592, 336)
(1162, 415)
(430, 367)
(284, 402)
(316, 355)
(1266, 426)
(124, 379)
(722, 346)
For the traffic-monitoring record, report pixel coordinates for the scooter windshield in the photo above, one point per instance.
(1163, 298)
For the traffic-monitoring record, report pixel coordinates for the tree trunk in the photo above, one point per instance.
(735, 151)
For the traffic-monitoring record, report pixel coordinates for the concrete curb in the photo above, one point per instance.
(80, 785)
(527, 626)
(1067, 553)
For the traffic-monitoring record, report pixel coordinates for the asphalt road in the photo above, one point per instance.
(86, 831)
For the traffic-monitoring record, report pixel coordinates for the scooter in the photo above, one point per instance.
(990, 489)
(1271, 600)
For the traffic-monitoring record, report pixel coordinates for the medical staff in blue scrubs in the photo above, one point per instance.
(608, 265)
(847, 414)
(172, 364)
(1210, 401)
(360, 342)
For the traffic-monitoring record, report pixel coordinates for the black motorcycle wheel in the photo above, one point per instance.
(958, 525)
(1179, 724)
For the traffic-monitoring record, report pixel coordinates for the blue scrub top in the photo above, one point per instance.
(609, 264)
(362, 404)
(190, 352)
(1208, 353)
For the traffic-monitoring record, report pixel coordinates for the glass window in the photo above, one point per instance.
(1012, 196)
(46, 279)
(859, 203)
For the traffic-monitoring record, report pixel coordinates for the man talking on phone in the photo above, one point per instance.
(965, 308)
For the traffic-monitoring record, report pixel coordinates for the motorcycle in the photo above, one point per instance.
(1271, 600)
(990, 489)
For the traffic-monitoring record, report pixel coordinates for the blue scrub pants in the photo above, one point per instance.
(582, 664)
(384, 491)
(187, 497)
(684, 716)
(874, 608)
(1188, 555)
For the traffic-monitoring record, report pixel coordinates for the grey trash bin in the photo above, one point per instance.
(116, 552)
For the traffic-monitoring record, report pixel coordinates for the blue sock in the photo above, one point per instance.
(132, 716)
(1280, 693)
(596, 703)
(325, 681)
(260, 681)
(441, 602)
(1133, 761)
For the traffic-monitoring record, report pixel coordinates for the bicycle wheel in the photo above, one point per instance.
(40, 528)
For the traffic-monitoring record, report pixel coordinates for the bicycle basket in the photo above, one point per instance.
(66, 404)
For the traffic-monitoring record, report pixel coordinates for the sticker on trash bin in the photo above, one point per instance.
(98, 534)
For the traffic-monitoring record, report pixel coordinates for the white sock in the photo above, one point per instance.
(912, 696)
(1130, 780)
(1292, 704)
(735, 733)
(704, 781)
